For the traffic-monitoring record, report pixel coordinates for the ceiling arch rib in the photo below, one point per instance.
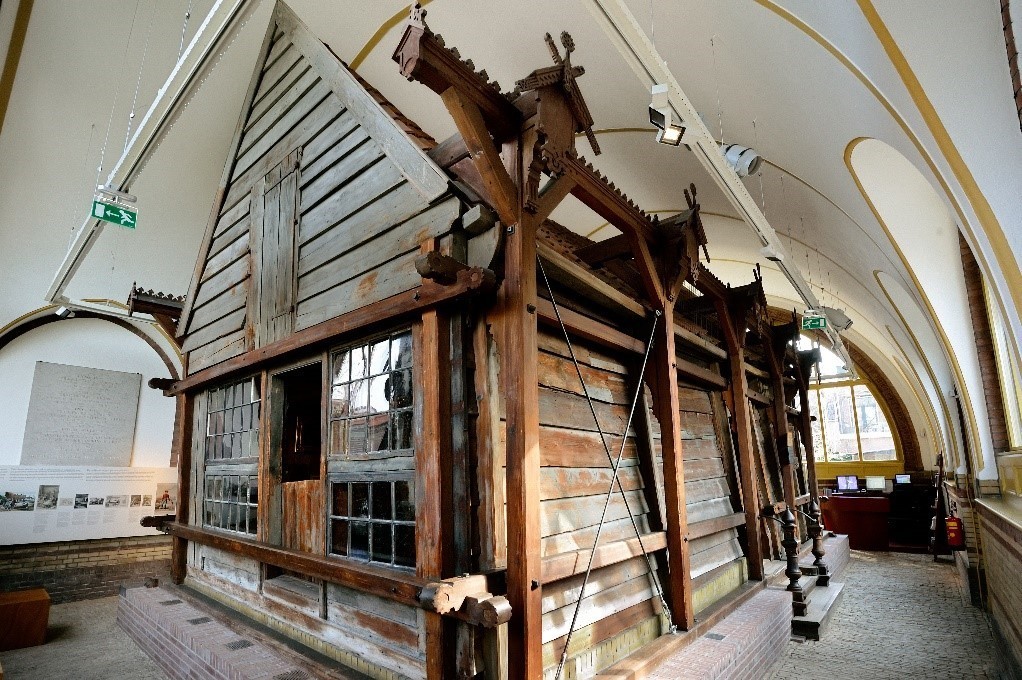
(925, 237)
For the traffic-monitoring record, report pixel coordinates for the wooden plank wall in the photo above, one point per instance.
(619, 602)
(360, 222)
(718, 562)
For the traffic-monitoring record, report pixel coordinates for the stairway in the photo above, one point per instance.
(819, 596)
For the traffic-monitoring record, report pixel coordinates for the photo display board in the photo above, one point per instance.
(45, 503)
(80, 416)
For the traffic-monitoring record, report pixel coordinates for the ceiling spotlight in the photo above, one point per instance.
(110, 192)
(743, 160)
(661, 115)
(838, 318)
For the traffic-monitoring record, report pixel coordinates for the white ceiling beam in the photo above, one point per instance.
(214, 34)
(625, 34)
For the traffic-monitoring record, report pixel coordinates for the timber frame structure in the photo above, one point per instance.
(407, 386)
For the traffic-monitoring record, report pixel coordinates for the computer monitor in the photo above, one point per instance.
(875, 483)
(847, 483)
(902, 479)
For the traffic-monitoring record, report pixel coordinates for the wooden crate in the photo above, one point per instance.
(24, 615)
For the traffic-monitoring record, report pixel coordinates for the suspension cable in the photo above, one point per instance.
(615, 481)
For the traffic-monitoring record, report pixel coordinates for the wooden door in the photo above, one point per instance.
(302, 521)
(275, 252)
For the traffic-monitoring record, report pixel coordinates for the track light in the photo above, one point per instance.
(65, 312)
(743, 160)
(838, 318)
(661, 116)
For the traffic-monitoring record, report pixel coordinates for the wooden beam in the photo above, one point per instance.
(606, 200)
(586, 283)
(666, 403)
(390, 584)
(692, 371)
(699, 342)
(500, 188)
(433, 492)
(183, 454)
(519, 375)
(735, 338)
(588, 328)
(613, 248)
(712, 526)
(565, 565)
(422, 57)
(378, 314)
(555, 191)
(450, 151)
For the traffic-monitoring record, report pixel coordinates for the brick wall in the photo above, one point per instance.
(1002, 549)
(984, 348)
(81, 570)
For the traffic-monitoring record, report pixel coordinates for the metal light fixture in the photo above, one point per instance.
(770, 252)
(743, 160)
(661, 116)
(838, 318)
(119, 196)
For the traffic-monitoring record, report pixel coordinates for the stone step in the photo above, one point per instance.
(813, 625)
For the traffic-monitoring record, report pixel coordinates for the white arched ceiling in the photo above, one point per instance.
(927, 357)
(926, 237)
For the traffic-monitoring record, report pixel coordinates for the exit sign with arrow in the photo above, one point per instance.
(114, 213)
(810, 323)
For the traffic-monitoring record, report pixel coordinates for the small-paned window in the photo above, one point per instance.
(230, 493)
(371, 463)
(850, 423)
(371, 398)
(374, 521)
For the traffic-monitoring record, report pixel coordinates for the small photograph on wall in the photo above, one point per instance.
(12, 500)
(166, 497)
(65, 502)
(48, 496)
(116, 501)
(96, 501)
(81, 500)
(136, 500)
(147, 501)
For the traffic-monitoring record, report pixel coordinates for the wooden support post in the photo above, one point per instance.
(433, 512)
(520, 381)
(666, 403)
(183, 454)
(774, 351)
(734, 332)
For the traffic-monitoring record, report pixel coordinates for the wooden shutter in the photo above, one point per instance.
(274, 251)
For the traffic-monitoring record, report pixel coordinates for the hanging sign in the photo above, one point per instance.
(814, 323)
(114, 213)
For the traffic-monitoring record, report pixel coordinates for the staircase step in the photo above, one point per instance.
(821, 608)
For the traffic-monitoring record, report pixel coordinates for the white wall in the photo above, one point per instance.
(94, 344)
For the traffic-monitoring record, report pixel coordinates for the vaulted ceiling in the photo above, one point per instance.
(886, 126)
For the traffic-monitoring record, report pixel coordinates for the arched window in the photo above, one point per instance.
(851, 425)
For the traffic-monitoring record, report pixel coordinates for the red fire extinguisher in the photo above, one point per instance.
(955, 533)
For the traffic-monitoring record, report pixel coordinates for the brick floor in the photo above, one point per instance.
(902, 616)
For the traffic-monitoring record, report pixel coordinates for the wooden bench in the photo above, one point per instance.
(24, 616)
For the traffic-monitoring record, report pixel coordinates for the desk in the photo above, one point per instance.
(863, 518)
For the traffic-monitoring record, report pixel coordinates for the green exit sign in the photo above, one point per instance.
(810, 323)
(113, 213)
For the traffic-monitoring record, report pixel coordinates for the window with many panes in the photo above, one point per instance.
(371, 452)
(850, 424)
(230, 494)
(374, 521)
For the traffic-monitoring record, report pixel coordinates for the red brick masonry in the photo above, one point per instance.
(191, 642)
(743, 646)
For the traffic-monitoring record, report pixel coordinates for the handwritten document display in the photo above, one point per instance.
(80, 416)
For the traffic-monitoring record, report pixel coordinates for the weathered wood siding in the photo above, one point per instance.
(316, 219)
(619, 606)
(718, 562)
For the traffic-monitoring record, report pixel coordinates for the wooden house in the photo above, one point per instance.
(420, 419)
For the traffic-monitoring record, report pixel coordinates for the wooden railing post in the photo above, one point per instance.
(792, 570)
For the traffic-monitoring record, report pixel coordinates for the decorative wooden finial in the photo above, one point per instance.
(418, 15)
